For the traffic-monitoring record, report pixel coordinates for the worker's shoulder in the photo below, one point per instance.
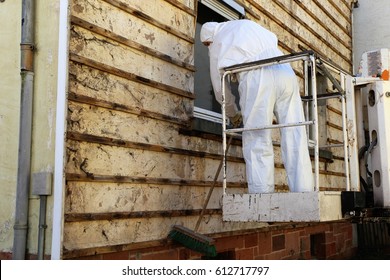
(244, 25)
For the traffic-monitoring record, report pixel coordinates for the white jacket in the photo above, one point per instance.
(236, 42)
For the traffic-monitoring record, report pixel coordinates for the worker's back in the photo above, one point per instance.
(241, 41)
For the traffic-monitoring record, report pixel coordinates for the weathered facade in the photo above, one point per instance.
(134, 163)
(133, 169)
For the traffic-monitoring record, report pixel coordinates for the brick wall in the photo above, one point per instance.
(317, 241)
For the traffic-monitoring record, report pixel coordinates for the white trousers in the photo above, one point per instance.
(263, 93)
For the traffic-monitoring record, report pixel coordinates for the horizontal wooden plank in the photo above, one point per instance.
(123, 108)
(189, 8)
(96, 178)
(160, 18)
(99, 121)
(87, 234)
(292, 36)
(316, 27)
(330, 16)
(78, 217)
(125, 41)
(123, 24)
(125, 158)
(101, 49)
(145, 146)
(338, 127)
(127, 75)
(89, 84)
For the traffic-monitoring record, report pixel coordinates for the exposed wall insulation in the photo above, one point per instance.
(130, 172)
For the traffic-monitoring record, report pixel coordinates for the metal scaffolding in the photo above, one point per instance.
(312, 63)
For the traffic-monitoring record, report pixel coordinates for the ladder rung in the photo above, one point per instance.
(322, 96)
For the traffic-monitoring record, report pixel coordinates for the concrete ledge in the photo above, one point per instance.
(282, 207)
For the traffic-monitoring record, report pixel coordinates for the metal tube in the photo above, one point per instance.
(272, 126)
(315, 126)
(25, 131)
(224, 145)
(263, 63)
(42, 226)
(345, 135)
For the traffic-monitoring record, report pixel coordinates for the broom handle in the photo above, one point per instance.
(212, 187)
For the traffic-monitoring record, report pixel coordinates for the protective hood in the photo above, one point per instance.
(207, 31)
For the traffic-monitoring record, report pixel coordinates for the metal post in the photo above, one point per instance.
(224, 145)
(42, 226)
(315, 119)
(345, 135)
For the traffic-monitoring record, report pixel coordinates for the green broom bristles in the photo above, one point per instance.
(193, 240)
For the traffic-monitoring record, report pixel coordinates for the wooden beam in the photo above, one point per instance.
(335, 126)
(146, 180)
(127, 109)
(295, 34)
(127, 42)
(83, 217)
(335, 20)
(143, 146)
(182, 7)
(334, 110)
(318, 20)
(126, 75)
(127, 8)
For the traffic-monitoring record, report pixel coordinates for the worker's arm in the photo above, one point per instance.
(216, 80)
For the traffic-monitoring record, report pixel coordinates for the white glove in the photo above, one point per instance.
(236, 120)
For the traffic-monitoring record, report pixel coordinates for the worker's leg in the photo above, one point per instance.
(257, 101)
(295, 154)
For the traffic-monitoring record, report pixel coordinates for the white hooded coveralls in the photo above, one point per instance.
(263, 93)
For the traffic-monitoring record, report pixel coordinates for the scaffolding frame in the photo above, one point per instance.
(312, 64)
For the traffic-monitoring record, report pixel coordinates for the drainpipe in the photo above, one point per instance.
(25, 129)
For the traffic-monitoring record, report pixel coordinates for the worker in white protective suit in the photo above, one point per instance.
(263, 92)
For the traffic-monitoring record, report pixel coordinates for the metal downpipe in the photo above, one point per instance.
(25, 130)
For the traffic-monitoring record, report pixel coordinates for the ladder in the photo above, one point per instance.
(312, 63)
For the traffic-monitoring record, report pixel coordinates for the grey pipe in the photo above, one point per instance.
(25, 130)
(42, 226)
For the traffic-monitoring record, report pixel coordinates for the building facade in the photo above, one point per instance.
(125, 123)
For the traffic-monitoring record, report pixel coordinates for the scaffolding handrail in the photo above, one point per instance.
(309, 57)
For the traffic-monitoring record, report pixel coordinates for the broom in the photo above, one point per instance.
(191, 238)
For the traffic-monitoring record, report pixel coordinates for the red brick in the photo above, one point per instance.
(317, 229)
(195, 255)
(184, 254)
(162, 255)
(340, 242)
(245, 254)
(306, 255)
(93, 257)
(293, 242)
(349, 233)
(305, 243)
(338, 228)
(5, 256)
(124, 255)
(329, 236)
(278, 242)
(330, 250)
(265, 243)
(317, 246)
(279, 255)
(229, 243)
(251, 240)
